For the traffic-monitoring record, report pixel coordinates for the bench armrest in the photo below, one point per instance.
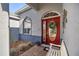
(55, 45)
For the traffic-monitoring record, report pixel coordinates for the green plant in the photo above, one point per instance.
(52, 25)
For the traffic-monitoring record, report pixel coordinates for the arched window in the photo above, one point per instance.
(50, 14)
(27, 26)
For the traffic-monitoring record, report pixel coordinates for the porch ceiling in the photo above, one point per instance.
(34, 5)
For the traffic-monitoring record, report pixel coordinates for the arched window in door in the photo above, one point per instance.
(27, 26)
(49, 14)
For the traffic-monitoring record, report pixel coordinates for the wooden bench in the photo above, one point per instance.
(59, 50)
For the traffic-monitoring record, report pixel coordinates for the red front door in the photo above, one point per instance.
(51, 30)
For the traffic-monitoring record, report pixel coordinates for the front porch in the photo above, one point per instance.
(31, 32)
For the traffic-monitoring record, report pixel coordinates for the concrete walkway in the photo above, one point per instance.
(35, 51)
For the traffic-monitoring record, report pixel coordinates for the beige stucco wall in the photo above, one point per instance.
(4, 31)
(35, 17)
(71, 34)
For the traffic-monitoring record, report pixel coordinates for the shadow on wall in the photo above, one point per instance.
(14, 34)
(34, 39)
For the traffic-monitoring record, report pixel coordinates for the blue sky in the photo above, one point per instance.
(15, 6)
